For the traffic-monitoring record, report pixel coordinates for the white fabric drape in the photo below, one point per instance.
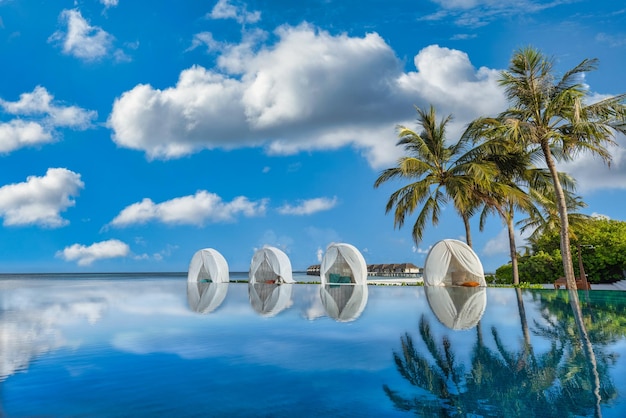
(451, 258)
(208, 265)
(270, 258)
(269, 299)
(344, 302)
(205, 297)
(353, 258)
(457, 307)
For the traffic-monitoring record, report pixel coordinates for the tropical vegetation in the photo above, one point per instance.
(493, 168)
(602, 246)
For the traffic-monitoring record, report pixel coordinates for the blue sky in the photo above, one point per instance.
(132, 136)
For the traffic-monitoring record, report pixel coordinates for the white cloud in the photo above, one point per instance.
(195, 209)
(40, 200)
(309, 207)
(308, 91)
(593, 174)
(420, 250)
(500, 243)
(109, 3)
(82, 40)
(205, 38)
(225, 9)
(40, 103)
(19, 133)
(86, 255)
(319, 254)
(38, 117)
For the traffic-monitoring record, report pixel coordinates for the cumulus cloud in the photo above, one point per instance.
(227, 9)
(309, 207)
(41, 103)
(195, 209)
(38, 118)
(40, 200)
(82, 40)
(18, 134)
(86, 255)
(310, 90)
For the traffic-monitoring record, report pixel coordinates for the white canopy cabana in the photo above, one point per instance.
(205, 297)
(208, 265)
(344, 303)
(343, 263)
(452, 262)
(457, 307)
(270, 265)
(268, 299)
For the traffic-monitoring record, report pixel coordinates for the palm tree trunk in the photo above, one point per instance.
(594, 375)
(566, 254)
(468, 235)
(513, 249)
(522, 317)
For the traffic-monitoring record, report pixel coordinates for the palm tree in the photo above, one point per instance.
(544, 219)
(437, 173)
(551, 115)
(514, 171)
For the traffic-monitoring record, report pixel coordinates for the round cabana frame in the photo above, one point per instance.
(270, 265)
(343, 264)
(208, 265)
(451, 262)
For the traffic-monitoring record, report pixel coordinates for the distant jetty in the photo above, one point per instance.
(382, 270)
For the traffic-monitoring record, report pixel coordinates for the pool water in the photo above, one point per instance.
(147, 345)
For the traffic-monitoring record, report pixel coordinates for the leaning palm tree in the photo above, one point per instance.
(552, 115)
(437, 173)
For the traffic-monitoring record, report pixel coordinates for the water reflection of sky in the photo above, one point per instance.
(104, 346)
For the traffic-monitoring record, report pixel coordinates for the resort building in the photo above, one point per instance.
(388, 270)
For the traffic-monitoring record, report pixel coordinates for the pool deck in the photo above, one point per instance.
(399, 281)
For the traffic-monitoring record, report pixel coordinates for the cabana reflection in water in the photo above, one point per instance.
(454, 283)
(343, 277)
(270, 281)
(207, 280)
(457, 307)
(344, 302)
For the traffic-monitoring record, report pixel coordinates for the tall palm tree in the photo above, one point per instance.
(551, 115)
(437, 173)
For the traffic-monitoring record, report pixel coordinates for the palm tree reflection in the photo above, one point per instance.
(567, 379)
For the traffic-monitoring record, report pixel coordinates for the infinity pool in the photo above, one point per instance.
(147, 345)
